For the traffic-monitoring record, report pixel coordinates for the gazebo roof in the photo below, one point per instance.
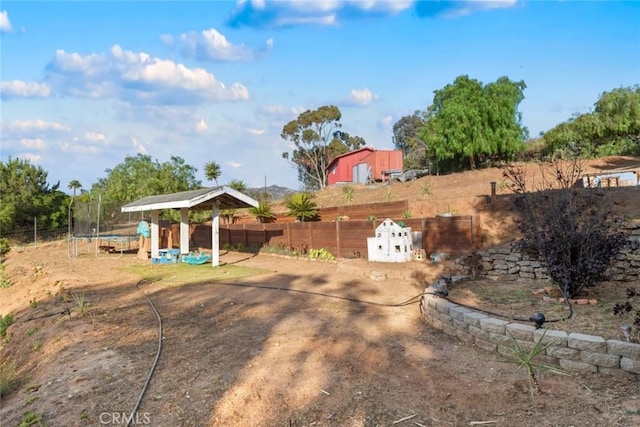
(204, 198)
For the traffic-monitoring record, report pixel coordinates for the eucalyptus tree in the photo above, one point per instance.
(406, 137)
(316, 140)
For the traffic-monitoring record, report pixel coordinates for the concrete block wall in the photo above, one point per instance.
(508, 264)
(571, 352)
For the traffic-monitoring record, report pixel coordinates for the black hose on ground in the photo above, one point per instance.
(155, 361)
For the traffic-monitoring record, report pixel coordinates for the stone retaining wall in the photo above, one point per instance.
(508, 264)
(568, 351)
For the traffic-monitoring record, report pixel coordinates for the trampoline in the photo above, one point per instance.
(110, 243)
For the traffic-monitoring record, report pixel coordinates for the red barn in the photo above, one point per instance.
(365, 164)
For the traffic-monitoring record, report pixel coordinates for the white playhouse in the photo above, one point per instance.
(392, 243)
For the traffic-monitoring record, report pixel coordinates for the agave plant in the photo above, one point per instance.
(263, 212)
(302, 207)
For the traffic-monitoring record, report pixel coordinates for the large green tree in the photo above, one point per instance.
(406, 137)
(476, 122)
(612, 128)
(140, 176)
(26, 196)
(317, 139)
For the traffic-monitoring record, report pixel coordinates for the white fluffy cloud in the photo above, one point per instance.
(211, 45)
(95, 137)
(32, 126)
(288, 13)
(361, 97)
(5, 23)
(21, 89)
(32, 143)
(137, 78)
(138, 146)
(256, 132)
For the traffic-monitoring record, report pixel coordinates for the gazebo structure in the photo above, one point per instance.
(213, 199)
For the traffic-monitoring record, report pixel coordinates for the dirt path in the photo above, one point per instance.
(234, 354)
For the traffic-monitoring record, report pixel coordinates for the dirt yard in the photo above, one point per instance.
(237, 355)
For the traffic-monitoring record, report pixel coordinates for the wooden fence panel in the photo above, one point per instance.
(324, 235)
(299, 235)
(448, 234)
(276, 235)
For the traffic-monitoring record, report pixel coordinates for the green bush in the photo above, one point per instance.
(5, 322)
(4, 246)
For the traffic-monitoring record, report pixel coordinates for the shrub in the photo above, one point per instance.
(5, 322)
(8, 378)
(348, 193)
(263, 212)
(302, 207)
(4, 246)
(572, 231)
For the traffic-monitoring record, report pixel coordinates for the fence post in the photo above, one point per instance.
(339, 255)
(245, 239)
(288, 236)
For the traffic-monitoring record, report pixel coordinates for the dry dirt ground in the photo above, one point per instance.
(244, 356)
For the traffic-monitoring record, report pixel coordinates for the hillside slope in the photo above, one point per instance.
(467, 193)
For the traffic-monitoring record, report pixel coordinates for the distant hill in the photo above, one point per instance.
(275, 192)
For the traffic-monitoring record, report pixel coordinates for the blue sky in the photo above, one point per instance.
(84, 84)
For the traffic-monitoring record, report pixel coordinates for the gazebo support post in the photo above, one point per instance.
(155, 234)
(215, 236)
(184, 231)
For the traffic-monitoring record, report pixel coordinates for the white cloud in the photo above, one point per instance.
(5, 23)
(78, 148)
(287, 13)
(361, 97)
(32, 143)
(32, 158)
(386, 121)
(166, 39)
(138, 146)
(20, 89)
(256, 132)
(95, 137)
(234, 165)
(31, 126)
(468, 7)
(211, 45)
(201, 126)
(138, 78)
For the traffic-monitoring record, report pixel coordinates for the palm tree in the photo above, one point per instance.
(302, 207)
(74, 185)
(212, 171)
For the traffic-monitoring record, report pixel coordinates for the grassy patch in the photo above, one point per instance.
(5, 322)
(9, 379)
(183, 274)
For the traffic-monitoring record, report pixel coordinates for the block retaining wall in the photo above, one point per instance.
(571, 352)
(506, 263)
